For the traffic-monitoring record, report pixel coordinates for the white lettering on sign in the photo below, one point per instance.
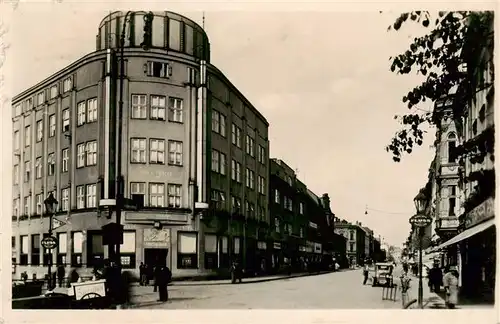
(156, 237)
(482, 212)
(93, 289)
(277, 245)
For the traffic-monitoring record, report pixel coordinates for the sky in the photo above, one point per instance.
(321, 79)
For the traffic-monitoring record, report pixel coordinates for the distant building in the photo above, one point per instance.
(356, 237)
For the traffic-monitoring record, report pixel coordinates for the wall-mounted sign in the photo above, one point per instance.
(481, 213)
(302, 248)
(156, 238)
(313, 225)
(277, 245)
(317, 248)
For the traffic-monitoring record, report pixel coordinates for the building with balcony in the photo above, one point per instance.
(188, 136)
(474, 118)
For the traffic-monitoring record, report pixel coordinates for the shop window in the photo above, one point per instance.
(24, 250)
(62, 248)
(236, 245)
(224, 261)
(210, 251)
(187, 250)
(95, 249)
(76, 253)
(35, 249)
(127, 250)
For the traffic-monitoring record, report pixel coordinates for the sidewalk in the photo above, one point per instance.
(430, 300)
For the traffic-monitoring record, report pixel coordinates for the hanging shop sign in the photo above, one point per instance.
(309, 246)
(302, 248)
(317, 248)
(277, 245)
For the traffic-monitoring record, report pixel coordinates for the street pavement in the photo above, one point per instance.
(335, 290)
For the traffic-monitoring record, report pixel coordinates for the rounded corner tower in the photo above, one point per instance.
(171, 32)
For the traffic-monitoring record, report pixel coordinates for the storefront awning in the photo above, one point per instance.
(467, 233)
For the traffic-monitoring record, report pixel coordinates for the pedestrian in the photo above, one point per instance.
(365, 273)
(450, 282)
(142, 273)
(435, 278)
(156, 276)
(164, 278)
(405, 268)
(61, 272)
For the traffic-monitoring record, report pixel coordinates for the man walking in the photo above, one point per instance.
(165, 277)
(435, 278)
(365, 273)
(60, 274)
(142, 273)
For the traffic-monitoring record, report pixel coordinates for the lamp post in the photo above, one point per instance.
(420, 221)
(49, 243)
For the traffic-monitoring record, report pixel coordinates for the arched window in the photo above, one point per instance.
(452, 144)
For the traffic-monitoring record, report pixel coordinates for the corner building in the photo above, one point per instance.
(188, 137)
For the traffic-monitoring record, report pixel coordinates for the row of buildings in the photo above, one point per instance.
(461, 179)
(195, 168)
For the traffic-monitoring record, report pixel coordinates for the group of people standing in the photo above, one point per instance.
(161, 276)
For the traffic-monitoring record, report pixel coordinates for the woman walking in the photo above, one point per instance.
(450, 282)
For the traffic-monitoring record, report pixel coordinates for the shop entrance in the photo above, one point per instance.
(153, 257)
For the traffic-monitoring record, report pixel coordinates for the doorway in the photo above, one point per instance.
(153, 257)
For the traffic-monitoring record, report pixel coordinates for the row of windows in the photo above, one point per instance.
(157, 106)
(288, 202)
(138, 150)
(287, 228)
(29, 103)
(249, 177)
(86, 197)
(157, 194)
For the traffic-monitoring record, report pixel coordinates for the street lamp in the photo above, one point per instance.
(420, 221)
(51, 207)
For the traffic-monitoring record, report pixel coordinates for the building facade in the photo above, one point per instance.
(356, 237)
(188, 136)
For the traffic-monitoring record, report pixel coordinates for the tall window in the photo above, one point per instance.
(157, 151)
(67, 84)
(76, 251)
(35, 249)
(250, 146)
(262, 185)
(452, 147)
(218, 123)
(53, 92)
(65, 120)
(80, 155)
(215, 160)
(156, 195)
(39, 130)
(15, 207)
(41, 98)
(38, 168)
(187, 251)
(65, 160)
(80, 197)
(39, 204)
(235, 204)
(158, 106)
(29, 104)
(236, 135)
(27, 171)
(91, 153)
(217, 198)
(249, 178)
(27, 136)
(52, 125)
(65, 199)
(138, 150)
(277, 225)
(139, 106)
(91, 110)
(276, 196)
(127, 250)
(91, 196)
(452, 200)
(210, 251)
(175, 153)
(138, 192)
(62, 248)
(262, 154)
(351, 235)
(301, 208)
(16, 140)
(80, 114)
(51, 164)
(174, 195)
(175, 113)
(235, 171)
(351, 247)
(24, 250)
